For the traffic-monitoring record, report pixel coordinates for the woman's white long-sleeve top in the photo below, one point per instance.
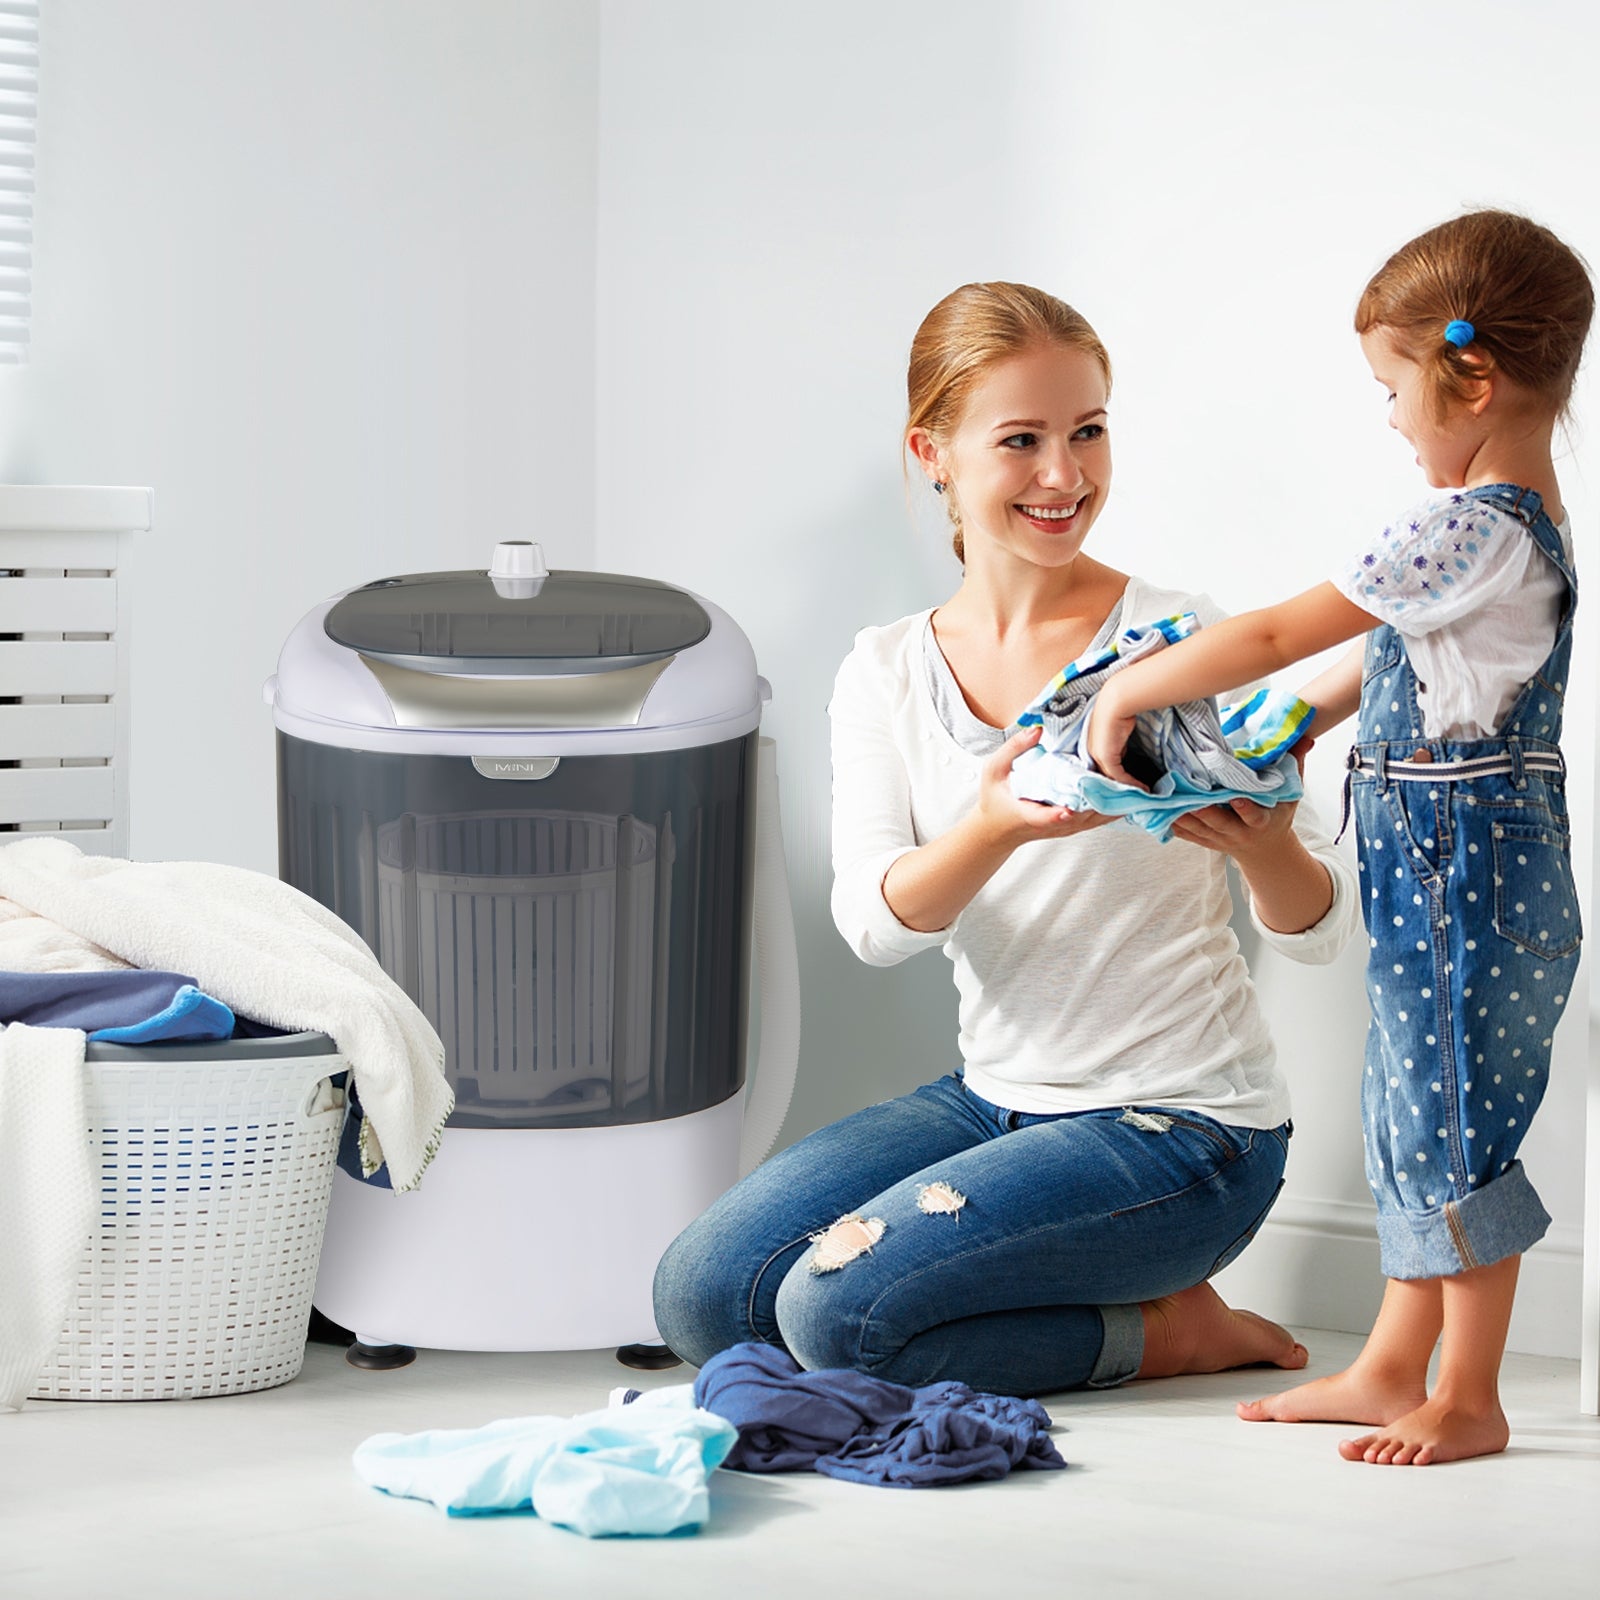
(1097, 970)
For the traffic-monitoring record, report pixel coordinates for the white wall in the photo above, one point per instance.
(774, 217)
(782, 196)
(322, 273)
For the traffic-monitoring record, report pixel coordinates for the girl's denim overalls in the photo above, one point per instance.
(1472, 922)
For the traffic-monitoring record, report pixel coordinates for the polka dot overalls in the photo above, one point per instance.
(1472, 923)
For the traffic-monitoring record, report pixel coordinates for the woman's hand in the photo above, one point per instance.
(1017, 821)
(1241, 828)
(1290, 889)
(929, 887)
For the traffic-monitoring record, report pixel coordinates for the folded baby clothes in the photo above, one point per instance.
(1266, 726)
(128, 1006)
(1190, 755)
(634, 1470)
(849, 1425)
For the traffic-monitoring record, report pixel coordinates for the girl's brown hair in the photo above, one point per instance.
(966, 335)
(1526, 294)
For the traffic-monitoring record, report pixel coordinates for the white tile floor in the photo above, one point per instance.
(1166, 1494)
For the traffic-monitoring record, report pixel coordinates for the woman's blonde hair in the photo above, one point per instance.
(965, 336)
(1526, 295)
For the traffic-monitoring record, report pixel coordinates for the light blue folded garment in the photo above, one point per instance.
(629, 1470)
(192, 1014)
(1191, 755)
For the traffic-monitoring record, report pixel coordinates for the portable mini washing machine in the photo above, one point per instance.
(534, 795)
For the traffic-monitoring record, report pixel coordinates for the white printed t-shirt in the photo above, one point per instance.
(1093, 971)
(1475, 599)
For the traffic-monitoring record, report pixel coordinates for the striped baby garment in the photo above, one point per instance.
(1191, 756)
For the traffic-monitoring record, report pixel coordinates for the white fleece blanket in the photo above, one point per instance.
(258, 945)
(31, 943)
(46, 1196)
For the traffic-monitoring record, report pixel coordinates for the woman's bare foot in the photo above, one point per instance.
(1435, 1431)
(1358, 1394)
(1197, 1331)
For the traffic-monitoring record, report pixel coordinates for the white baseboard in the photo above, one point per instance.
(1315, 1265)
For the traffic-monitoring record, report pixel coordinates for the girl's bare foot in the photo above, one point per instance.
(1435, 1431)
(1197, 1331)
(1358, 1394)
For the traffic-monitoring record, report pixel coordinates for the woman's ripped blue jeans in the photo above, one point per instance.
(938, 1236)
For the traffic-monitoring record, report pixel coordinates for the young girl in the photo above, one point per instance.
(1047, 1214)
(1475, 331)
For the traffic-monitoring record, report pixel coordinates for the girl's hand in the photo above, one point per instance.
(1017, 821)
(1107, 738)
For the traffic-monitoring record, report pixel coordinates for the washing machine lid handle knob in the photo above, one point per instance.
(517, 569)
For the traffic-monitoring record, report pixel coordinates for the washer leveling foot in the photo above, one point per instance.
(379, 1357)
(648, 1357)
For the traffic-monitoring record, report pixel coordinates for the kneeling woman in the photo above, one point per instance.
(1047, 1215)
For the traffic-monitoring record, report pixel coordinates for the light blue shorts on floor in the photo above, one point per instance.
(638, 1470)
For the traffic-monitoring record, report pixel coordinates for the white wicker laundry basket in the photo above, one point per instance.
(214, 1164)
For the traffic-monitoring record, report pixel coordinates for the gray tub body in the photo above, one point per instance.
(579, 940)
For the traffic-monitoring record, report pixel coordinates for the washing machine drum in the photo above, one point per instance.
(532, 793)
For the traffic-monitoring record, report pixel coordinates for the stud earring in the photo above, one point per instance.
(939, 486)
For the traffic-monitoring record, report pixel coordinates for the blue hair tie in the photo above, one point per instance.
(1460, 333)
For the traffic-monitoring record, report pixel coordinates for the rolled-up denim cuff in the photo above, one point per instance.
(1501, 1219)
(1121, 1347)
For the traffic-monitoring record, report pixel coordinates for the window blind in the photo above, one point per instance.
(19, 102)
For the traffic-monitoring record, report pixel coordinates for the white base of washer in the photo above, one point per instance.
(525, 1238)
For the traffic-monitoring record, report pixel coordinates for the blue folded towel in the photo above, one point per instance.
(125, 1006)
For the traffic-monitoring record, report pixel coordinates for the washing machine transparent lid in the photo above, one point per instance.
(517, 619)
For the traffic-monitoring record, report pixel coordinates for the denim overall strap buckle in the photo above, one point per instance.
(1519, 775)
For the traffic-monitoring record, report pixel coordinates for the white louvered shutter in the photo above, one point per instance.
(64, 635)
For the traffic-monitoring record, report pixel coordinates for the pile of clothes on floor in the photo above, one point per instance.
(641, 1465)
